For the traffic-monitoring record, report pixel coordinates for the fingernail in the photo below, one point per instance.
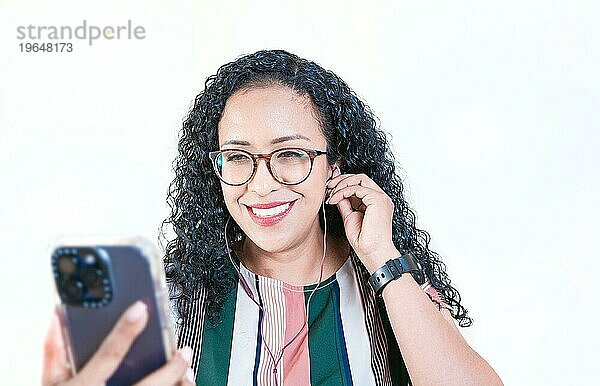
(189, 374)
(186, 353)
(136, 311)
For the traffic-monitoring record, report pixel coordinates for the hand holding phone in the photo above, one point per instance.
(112, 326)
(56, 368)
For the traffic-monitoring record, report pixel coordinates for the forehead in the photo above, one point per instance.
(254, 118)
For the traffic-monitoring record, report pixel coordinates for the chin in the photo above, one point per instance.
(270, 241)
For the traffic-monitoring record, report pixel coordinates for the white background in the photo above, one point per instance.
(493, 109)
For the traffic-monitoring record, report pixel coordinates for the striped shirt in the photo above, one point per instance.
(349, 339)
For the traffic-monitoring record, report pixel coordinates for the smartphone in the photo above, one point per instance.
(95, 283)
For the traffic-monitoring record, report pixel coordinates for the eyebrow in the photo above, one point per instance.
(274, 141)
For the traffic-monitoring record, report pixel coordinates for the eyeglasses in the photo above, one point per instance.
(289, 165)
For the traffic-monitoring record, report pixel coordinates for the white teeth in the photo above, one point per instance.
(271, 211)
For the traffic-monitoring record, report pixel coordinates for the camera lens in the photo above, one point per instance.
(72, 289)
(67, 264)
(91, 277)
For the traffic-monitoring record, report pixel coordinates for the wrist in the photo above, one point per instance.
(397, 283)
(393, 269)
(377, 259)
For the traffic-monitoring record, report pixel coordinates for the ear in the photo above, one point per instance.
(332, 170)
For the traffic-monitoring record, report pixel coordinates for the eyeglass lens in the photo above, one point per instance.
(288, 166)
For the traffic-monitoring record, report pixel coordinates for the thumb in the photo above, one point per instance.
(55, 365)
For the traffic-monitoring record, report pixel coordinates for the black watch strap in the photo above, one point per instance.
(393, 269)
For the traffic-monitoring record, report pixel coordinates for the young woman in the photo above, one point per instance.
(286, 200)
(296, 259)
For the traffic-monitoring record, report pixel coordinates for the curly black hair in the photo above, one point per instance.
(197, 257)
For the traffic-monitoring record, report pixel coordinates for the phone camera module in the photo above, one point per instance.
(82, 276)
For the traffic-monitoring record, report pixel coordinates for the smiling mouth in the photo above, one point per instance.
(270, 216)
(270, 212)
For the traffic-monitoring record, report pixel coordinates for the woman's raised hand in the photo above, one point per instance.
(109, 355)
(367, 212)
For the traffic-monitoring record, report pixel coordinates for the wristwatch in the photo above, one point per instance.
(393, 269)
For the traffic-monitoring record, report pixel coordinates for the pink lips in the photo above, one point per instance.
(271, 220)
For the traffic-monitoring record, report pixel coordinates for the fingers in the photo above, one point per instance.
(55, 365)
(344, 180)
(177, 369)
(367, 195)
(116, 345)
(110, 354)
(345, 208)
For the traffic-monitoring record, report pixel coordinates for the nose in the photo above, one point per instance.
(263, 182)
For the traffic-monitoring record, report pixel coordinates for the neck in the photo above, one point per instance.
(299, 265)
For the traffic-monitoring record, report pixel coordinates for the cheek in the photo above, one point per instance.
(231, 197)
(314, 194)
